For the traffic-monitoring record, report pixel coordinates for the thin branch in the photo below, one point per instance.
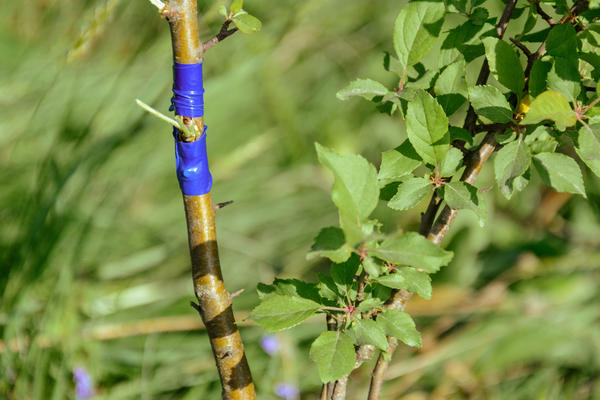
(521, 46)
(428, 216)
(543, 14)
(223, 34)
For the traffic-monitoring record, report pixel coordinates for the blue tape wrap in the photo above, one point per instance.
(191, 164)
(188, 90)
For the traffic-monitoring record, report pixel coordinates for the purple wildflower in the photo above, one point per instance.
(270, 344)
(287, 391)
(83, 384)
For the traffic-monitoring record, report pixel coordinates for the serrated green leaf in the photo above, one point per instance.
(366, 88)
(461, 195)
(289, 287)
(538, 76)
(398, 163)
(479, 15)
(511, 162)
(564, 77)
(368, 331)
(587, 146)
(416, 30)
(451, 163)
(400, 325)
(451, 87)
(333, 352)
(344, 274)
(562, 41)
(409, 193)
(560, 172)
(327, 288)
(330, 243)
(278, 312)
(246, 23)
(504, 64)
(490, 103)
(371, 267)
(355, 191)
(236, 6)
(369, 304)
(550, 105)
(409, 279)
(427, 128)
(540, 140)
(460, 134)
(414, 250)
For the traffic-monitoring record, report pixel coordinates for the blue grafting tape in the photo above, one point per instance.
(188, 90)
(191, 164)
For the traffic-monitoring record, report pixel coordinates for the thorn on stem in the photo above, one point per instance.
(236, 293)
(196, 307)
(223, 204)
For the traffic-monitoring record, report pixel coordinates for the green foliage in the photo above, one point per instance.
(333, 352)
(427, 128)
(509, 166)
(279, 312)
(551, 105)
(416, 30)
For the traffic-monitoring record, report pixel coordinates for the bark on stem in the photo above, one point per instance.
(214, 301)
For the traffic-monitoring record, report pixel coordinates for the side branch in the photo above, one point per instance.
(223, 34)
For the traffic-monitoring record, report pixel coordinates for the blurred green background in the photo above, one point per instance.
(93, 250)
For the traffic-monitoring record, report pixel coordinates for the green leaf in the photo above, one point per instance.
(246, 23)
(416, 30)
(560, 172)
(366, 88)
(540, 140)
(427, 127)
(457, 133)
(409, 193)
(451, 87)
(452, 162)
(344, 274)
(223, 11)
(564, 77)
(504, 64)
(278, 312)
(490, 103)
(511, 162)
(409, 279)
(333, 352)
(355, 191)
(369, 304)
(236, 6)
(587, 146)
(562, 41)
(414, 250)
(398, 163)
(400, 325)
(368, 331)
(461, 195)
(479, 15)
(330, 243)
(538, 76)
(290, 287)
(553, 106)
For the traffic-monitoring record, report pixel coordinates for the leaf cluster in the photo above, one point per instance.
(540, 105)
